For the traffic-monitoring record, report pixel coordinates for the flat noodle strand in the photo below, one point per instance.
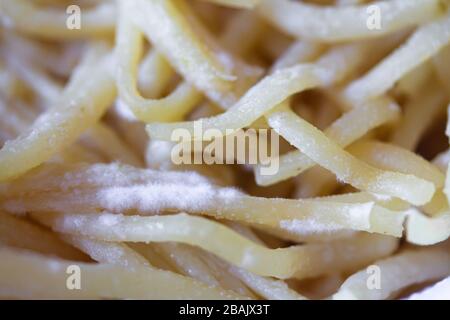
(225, 243)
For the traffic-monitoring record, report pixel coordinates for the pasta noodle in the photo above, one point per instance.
(54, 129)
(245, 111)
(95, 188)
(370, 115)
(52, 24)
(403, 60)
(401, 270)
(426, 231)
(184, 98)
(306, 138)
(313, 22)
(224, 149)
(19, 269)
(250, 256)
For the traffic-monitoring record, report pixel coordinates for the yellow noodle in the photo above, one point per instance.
(170, 32)
(424, 43)
(398, 272)
(35, 77)
(114, 253)
(128, 47)
(26, 17)
(423, 230)
(20, 269)
(154, 74)
(20, 233)
(319, 23)
(82, 103)
(346, 167)
(226, 279)
(332, 67)
(225, 243)
(390, 157)
(266, 94)
(115, 149)
(147, 191)
(107, 252)
(236, 3)
(347, 129)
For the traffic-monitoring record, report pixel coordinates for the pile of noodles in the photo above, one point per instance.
(87, 178)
